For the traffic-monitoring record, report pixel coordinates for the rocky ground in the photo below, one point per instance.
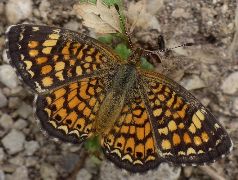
(209, 69)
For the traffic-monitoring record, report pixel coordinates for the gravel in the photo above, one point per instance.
(180, 13)
(69, 161)
(21, 173)
(230, 83)
(2, 154)
(6, 121)
(44, 9)
(1, 8)
(24, 110)
(17, 160)
(13, 141)
(14, 102)
(4, 56)
(18, 10)
(20, 124)
(2, 175)
(193, 82)
(31, 161)
(3, 100)
(31, 147)
(164, 172)
(8, 76)
(235, 106)
(83, 174)
(48, 172)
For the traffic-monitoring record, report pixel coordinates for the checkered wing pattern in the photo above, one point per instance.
(131, 143)
(68, 113)
(185, 131)
(74, 77)
(47, 57)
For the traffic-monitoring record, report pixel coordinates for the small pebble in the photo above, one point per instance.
(163, 171)
(6, 121)
(4, 57)
(8, 77)
(188, 171)
(1, 8)
(31, 161)
(17, 160)
(69, 161)
(13, 141)
(180, 13)
(44, 9)
(2, 175)
(2, 155)
(21, 173)
(9, 168)
(72, 25)
(31, 147)
(20, 124)
(205, 101)
(24, 110)
(3, 100)
(14, 102)
(18, 10)
(83, 174)
(230, 84)
(48, 172)
(235, 106)
(192, 82)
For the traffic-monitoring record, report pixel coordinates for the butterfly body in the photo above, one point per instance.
(122, 82)
(84, 89)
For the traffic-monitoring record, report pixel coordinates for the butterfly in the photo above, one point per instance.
(83, 89)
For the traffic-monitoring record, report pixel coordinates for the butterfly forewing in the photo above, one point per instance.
(47, 57)
(185, 131)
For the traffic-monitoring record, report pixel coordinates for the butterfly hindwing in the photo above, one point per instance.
(185, 131)
(68, 112)
(47, 57)
(131, 144)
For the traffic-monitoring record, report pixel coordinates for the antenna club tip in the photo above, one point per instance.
(189, 44)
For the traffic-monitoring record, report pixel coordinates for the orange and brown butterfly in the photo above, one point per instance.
(83, 89)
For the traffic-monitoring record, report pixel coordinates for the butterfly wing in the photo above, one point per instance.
(131, 144)
(68, 112)
(47, 57)
(67, 71)
(163, 122)
(185, 131)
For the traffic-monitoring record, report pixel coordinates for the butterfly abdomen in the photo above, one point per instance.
(111, 106)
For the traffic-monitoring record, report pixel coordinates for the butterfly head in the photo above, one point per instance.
(134, 58)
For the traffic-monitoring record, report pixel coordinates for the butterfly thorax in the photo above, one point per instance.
(110, 109)
(135, 56)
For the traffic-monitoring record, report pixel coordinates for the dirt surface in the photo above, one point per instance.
(209, 69)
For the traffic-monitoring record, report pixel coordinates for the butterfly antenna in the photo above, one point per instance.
(124, 26)
(148, 52)
(182, 45)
